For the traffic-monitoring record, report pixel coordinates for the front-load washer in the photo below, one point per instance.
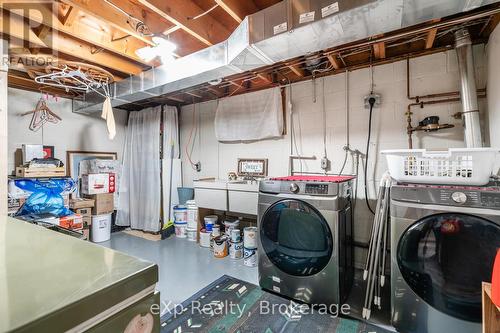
(443, 243)
(305, 238)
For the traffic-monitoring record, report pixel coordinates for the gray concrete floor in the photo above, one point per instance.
(184, 266)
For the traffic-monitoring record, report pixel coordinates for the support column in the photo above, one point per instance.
(4, 50)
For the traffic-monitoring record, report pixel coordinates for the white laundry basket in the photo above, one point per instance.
(455, 166)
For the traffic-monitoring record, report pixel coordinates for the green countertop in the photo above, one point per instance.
(52, 281)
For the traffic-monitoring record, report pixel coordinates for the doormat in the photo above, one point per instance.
(142, 234)
(233, 305)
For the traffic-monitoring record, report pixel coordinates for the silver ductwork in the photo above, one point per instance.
(289, 29)
(468, 91)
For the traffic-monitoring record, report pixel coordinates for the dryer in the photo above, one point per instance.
(305, 238)
(443, 243)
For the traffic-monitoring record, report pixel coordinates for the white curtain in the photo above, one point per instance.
(171, 163)
(170, 132)
(140, 188)
(250, 117)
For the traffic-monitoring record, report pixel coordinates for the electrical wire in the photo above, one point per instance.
(347, 139)
(324, 119)
(191, 141)
(372, 102)
(204, 13)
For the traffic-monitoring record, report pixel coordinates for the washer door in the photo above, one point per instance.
(445, 257)
(296, 237)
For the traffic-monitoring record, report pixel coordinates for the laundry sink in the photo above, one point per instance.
(238, 196)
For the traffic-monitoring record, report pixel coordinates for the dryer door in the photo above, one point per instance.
(445, 257)
(296, 237)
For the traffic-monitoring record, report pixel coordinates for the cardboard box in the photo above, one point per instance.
(99, 166)
(84, 212)
(72, 222)
(31, 152)
(98, 183)
(76, 203)
(104, 203)
(87, 221)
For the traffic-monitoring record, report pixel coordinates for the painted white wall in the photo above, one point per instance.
(493, 51)
(429, 74)
(74, 132)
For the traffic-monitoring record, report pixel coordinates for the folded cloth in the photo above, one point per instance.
(249, 117)
(107, 114)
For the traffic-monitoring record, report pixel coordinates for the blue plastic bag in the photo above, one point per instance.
(45, 196)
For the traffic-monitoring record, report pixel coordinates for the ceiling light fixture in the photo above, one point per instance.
(164, 49)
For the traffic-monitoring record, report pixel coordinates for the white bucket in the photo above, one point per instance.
(204, 238)
(250, 237)
(210, 221)
(236, 250)
(192, 214)
(250, 257)
(191, 234)
(101, 228)
(180, 230)
(180, 214)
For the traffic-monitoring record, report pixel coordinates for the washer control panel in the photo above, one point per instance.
(312, 188)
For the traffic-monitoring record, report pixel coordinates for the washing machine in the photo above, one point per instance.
(443, 243)
(305, 238)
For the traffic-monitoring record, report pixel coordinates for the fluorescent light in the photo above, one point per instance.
(147, 53)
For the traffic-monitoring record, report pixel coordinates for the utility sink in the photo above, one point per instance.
(238, 196)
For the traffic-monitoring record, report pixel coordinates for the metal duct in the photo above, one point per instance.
(279, 33)
(468, 92)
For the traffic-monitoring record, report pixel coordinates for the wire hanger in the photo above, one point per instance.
(41, 115)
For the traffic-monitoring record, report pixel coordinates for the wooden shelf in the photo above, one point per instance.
(491, 312)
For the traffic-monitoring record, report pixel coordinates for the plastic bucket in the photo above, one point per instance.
(210, 220)
(185, 194)
(235, 235)
(180, 214)
(181, 230)
(231, 224)
(236, 250)
(192, 214)
(220, 247)
(250, 257)
(101, 228)
(191, 234)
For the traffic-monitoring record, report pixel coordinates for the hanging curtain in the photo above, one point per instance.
(171, 163)
(140, 191)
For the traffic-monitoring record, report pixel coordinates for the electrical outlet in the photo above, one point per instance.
(377, 100)
(198, 166)
(325, 163)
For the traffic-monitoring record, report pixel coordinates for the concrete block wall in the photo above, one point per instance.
(428, 74)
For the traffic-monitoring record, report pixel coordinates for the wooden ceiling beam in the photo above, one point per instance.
(297, 70)
(431, 37)
(20, 30)
(70, 16)
(332, 58)
(106, 13)
(206, 28)
(175, 99)
(238, 9)
(125, 47)
(379, 50)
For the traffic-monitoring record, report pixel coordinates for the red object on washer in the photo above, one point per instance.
(324, 179)
(495, 281)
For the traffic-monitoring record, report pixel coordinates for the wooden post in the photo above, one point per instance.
(4, 51)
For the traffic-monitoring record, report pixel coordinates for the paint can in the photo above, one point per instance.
(235, 236)
(210, 221)
(220, 247)
(215, 230)
(192, 214)
(250, 237)
(205, 238)
(180, 214)
(236, 250)
(180, 230)
(191, 234)
(250, 257)
(230, 224)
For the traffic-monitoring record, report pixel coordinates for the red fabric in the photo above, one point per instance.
(325, 179)
(495, 281)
